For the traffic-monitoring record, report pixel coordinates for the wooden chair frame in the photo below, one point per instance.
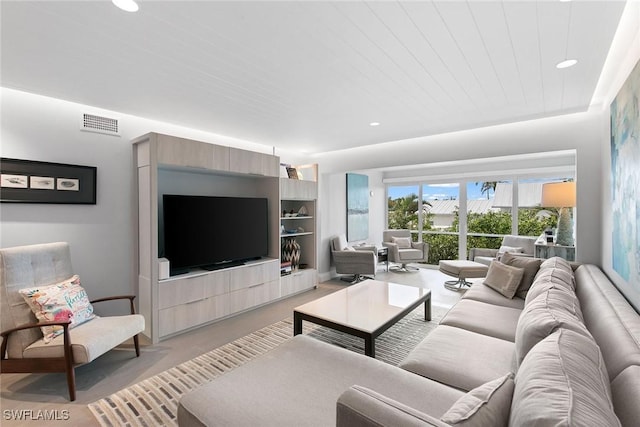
(53, 364)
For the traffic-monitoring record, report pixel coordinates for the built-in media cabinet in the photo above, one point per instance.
(167, 165)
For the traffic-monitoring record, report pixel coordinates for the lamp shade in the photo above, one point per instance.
(559, 195)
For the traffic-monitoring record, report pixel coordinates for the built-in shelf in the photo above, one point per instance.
(305, 233)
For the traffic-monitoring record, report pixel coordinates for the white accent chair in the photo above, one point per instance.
(358, 261)
(518, 245)
(403, 251)
(23, 348)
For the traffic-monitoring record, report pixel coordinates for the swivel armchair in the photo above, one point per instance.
(358, 262)
(402, 250)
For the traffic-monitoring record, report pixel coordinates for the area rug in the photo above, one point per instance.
(154, 401)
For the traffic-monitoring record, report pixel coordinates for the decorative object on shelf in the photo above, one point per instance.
(27, 181)
(300, 230)
(561, 195)
(292, 172)
(291, 252)
(357, 207)
(303, 211)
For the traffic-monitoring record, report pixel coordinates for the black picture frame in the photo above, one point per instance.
(29, 181)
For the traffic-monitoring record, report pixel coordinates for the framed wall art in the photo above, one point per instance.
(27, 181)
(357, 207)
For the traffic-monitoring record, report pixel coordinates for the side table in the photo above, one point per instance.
(549, 250)
(383, 256)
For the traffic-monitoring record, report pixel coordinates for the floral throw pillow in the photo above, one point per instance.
(62, 301)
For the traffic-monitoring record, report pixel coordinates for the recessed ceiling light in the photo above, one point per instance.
(566, 63)
(374, 124)
(126, 5)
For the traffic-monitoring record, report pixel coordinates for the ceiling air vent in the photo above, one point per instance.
(106, 125)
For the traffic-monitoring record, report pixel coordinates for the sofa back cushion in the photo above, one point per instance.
(527, 243)
(563, 381)
(550, 278)
(553, 309)
(556, 262)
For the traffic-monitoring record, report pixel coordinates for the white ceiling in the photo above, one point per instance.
(311, 76)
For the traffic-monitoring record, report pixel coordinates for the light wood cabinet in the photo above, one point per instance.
(250, 162)
(166, 164)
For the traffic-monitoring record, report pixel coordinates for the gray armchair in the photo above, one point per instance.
(520, 245)
(402, 251)
(356, 261)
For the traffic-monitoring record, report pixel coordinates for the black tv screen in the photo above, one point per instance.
(213, 232)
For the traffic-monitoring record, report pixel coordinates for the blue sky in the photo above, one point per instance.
(437, 191)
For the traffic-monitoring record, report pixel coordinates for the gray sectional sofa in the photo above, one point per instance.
(568, 353)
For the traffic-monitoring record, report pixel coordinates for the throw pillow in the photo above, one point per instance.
(530, 266)
(485, 405)
(563, 381)
(66, 300)
(402, 242)
(504, 278)
(508, 249)
(553, 309)
(348, 248)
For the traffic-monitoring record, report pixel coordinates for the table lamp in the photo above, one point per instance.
(561, 195)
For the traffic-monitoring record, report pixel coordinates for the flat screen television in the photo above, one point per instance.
(213, 232)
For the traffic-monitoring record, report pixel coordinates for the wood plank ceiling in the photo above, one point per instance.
(311, 76)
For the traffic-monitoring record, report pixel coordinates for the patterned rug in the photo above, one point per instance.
(154, 401)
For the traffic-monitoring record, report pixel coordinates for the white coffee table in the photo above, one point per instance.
(364, 310)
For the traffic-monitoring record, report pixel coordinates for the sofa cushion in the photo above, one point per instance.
(548, 279)
(553, 309)
(530, 266)
(481, 292)
(66, 300)
(443, 356)
(504, 278)
(299, 382)
(487, 319)
(486, 405)
(563, 381)
(90, 339)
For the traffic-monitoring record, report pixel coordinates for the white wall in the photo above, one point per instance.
(580, 132)
(102, 236)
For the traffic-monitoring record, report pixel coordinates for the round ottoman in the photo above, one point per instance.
(462, 270)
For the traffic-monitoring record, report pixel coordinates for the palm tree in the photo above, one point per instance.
(487, 187)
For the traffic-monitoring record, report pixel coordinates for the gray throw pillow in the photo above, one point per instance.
(530, 266)
(485, 405)
(504, 278)
(563, 381)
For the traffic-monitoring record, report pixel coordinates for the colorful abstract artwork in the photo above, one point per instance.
(625, 179)
(357, 207)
